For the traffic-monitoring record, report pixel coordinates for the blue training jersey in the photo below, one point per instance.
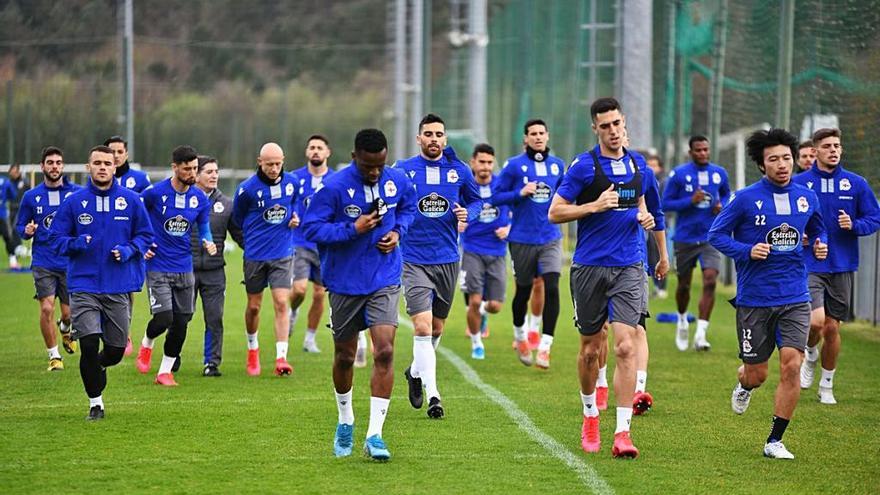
(351, 264)
(173, 216)
(8, 193)
(116, 219)
(530, 224)
(841, 190)
(693, 220)
(40, 205)
(779, 216)
(307, 186)
(655, 207)
(439, 185)
(612, 237)
(480, 237)
(263, 211)
(130, 178)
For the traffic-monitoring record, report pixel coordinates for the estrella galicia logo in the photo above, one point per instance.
(275, 215)
(176, 226)
(84, 219)
(433, 205)
(352, 211)
(784, 238)
(47, 220)
(542, 193)
(489, 213)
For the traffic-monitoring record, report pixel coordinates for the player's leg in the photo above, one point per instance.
(344, 347)
(297, 296)
(381, 311)
(837, 309)
(473, 276)
(183, 304)
(47, 328)
(550, 267)
(419, 294)
(710, 262)
(536, 310)
(280, 297)
(643, 401)
(316, 311)
(213, 302)
(685, 261)
(161, 307)
(525, 269)
(602, 378)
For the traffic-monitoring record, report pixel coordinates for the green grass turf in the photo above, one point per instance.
(269, 435)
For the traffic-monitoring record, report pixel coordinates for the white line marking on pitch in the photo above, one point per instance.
(588, 476)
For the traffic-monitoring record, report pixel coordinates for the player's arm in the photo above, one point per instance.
(203, 220)
(724, 189)
(652, 200)
(235, 231)
(867, 218)
(470, 194)
(318, 225)
(241, 203)
(24, 223)
(141, 235)
(563, 207)
(674, 197)
(406, 209)
(507, 192)
(721, 233)
(62, 233)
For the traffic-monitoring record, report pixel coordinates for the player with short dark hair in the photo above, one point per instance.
(104, 230)
(849, 210)
(806, 155)
(174, 207)
(357, 219)
(696, 191)
(37, 210)
(761, 230)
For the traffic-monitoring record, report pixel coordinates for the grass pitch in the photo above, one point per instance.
(271, 435)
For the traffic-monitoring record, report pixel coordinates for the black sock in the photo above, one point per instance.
(779, 426)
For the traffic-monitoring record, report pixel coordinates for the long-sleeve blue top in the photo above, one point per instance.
(263, 210)
(480, 236)
(693, 220)
(40, 205)
(530, 224)
(173, 215)
(307, 186)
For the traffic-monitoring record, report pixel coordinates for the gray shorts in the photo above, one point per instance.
(429, 288)
(834, 292)
(307, 265)
(596, 288)
(760, 330)
(276, 274)
(531, 260)
(170, 291)
(687, 254)
(483, 275)
(103, 314)
(50, 283)
(351, 314)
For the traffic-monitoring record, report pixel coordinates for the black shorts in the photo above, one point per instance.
(834, 292)
(761, 329)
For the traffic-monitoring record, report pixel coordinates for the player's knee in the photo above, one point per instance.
(755, 376)
(298, 291)
(710, 284)
(343, 359)
(111, 355)
(164, 319)
(252, 309)
(493, 307)
(89, 346)
(383, 354)
(474, 303)
(47, 308)
(589, 353)
(318, 291)
(625, 348)
(830, 328)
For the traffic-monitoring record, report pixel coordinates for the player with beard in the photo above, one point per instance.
(38, 207)
(174, 207)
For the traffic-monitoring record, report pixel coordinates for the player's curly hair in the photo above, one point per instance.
(761, 139)
(370, 140)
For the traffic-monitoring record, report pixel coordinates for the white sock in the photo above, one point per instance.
(167, 364)
(827, 378)
(546, 342)
(682, 319)
(602, 379)
(482, 308)
(253, 342)
(813, 353)
(641, 380)
(362, 340)
(378, 411)
(702, 326)
(96, 401)
(64, 327)
(280, 350)
(624, 416)
(519, 333)
(425, 363)
(343, 405)
(147, 342)
(310, 335)
(476, 340)
(589, 401)
(435, 341)
(534, 322)
(53, 353)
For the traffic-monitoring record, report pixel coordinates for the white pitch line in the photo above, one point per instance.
(588, 476)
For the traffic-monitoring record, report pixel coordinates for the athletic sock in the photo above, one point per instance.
(777, 429)
(435, 341)
(53, 353)
(96, 401)
(310, 335)
(253, 342)
(813, 353)
(546, 343)
(167, 364)
(343, 405)
(476, 340)
(519, 333)
(682, 319)
(425, 364)
(602, 379)
(534, 322)
(702, 327)
(378, 411)
(827, 379)
(147, 342)
(624, 416)
(482, 308)
(641, 380)
(589, 401)
(281, 350)
(362, 340)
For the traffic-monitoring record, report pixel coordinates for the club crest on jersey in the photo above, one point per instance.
(218, 207)
(193, 202)
(84, 219)
(47, 220)
(716, 178)
(352, 211)
(845, 184)
(130, 183)
(802, 204)
(542, 193)
(554, 169)
(176, 226)
(121, 204)
(489, 213)
(433, 205)
(275, 215)
(288, 190)
(390, 188)
(783, 238)
(452, 176)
